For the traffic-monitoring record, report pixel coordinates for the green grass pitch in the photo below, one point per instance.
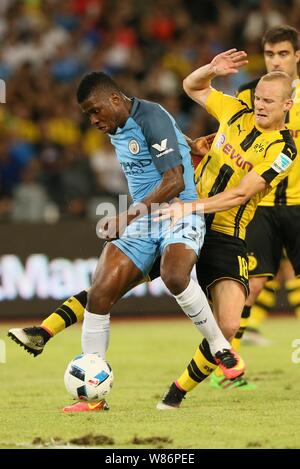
(146, 356)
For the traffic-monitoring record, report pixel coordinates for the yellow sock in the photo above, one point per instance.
(258, 315)
(68, 313)
(293, 292)
(71, 311)
(199, 368)
(264, 302)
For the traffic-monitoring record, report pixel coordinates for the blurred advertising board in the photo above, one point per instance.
(41, 265)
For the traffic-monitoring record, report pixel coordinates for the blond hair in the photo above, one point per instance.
(284, 78)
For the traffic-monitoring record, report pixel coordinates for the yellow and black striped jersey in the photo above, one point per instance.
(288, 191)
(239, 147)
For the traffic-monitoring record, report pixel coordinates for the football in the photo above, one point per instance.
(88, 377)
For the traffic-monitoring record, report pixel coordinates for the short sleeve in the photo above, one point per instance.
(245, 96)
(222, 106)
(159, 131)
(277, 163)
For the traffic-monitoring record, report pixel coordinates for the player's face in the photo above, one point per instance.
(281, 56)
(107, 113)
(271, 105)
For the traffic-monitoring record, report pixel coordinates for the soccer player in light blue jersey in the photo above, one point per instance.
(155, 158)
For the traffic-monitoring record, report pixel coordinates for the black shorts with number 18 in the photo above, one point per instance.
(222, 257)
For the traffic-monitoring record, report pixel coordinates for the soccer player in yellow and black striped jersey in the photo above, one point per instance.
(251, 154)
(278, 215)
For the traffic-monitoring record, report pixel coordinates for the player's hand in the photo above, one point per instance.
(175, 211)
(200, 146)
(228, 62)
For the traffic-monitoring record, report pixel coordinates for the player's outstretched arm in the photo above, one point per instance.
(197, 85)
(250, 185)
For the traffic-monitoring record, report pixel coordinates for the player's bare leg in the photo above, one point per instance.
(228, 298)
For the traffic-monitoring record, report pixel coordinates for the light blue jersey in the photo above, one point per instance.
(150, 144)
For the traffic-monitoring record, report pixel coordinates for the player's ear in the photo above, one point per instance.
(297, 54)
(288, 104)
(115, 99)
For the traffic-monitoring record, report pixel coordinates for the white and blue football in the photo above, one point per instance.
(88, 377)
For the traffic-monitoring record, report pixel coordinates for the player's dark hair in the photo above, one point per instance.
(280, 34)
(95, 81)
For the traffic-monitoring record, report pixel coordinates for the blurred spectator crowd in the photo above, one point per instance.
(53, 165)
